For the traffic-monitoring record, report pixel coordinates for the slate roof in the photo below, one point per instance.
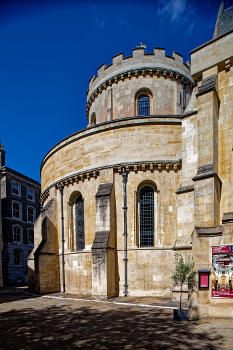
(226, 24)
(207, 84)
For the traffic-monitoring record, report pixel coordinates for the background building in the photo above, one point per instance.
(20, 207)
(1, 244)
(170, 130)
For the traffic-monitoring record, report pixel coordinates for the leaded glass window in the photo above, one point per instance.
(79, 216)
(143, 105)
(146, 204)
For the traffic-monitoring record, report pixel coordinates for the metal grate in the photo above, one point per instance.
(147, 217)
(143, 105)
(79, 213)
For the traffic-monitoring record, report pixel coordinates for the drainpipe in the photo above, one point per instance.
(60, 187)
(124, 180)
(184, 98)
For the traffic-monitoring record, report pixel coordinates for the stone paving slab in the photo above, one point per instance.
(31, 323)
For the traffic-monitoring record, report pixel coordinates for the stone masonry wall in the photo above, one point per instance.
(161, 137)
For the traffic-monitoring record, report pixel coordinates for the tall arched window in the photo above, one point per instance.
(144, 105)
(93, 119)
(79, 223)
(146, 213)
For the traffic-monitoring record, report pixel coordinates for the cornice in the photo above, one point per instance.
(185, 189)
(209, 42)
(5, 171)
(86, 175)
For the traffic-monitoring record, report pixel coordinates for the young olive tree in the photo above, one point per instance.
(184, 273)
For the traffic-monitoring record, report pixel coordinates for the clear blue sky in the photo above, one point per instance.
(50, 50)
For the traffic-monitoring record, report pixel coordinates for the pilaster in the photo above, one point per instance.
(207, 184)
(104, 245)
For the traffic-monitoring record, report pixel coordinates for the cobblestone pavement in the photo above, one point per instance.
(57, 323)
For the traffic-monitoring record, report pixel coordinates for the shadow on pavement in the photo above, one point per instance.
(61, 327)
(9, 294)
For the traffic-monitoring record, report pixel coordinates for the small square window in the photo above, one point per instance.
(30, 236)
(17, 257)
(15, 188)
(16, 210)
(16, 234)
(31, 214)
(30, 194)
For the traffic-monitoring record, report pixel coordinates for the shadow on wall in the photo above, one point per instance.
(67, 327)
(43, 263)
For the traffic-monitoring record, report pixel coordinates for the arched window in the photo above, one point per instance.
(93, 119)
(79, 223)
(144, 105)
(146, 214)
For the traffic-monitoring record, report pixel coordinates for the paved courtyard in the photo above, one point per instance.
(57, 323)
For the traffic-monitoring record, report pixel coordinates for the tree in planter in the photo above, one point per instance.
(184, 273)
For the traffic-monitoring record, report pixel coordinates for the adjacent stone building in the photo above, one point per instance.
(166, 131)
(20, 206)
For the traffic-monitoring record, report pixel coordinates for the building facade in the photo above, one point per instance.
(20, 202)
(164, 129)
(1, 245)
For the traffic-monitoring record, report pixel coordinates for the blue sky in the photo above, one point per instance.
(50, 50)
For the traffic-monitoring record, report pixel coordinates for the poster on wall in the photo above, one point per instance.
(222, 273)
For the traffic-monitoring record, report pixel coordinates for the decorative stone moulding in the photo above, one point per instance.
(150, 71)
(44, 196)
(227, 218)
(209, 231)
(159, 165)
(152, 166)
(227, 65)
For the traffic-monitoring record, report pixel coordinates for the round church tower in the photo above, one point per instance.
(140, 85)
(134, 111)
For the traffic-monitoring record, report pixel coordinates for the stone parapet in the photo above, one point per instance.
(140, 64)
(139, 60)
(215, 52)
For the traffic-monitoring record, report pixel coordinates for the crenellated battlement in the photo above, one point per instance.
(139, 59)
(140, 63)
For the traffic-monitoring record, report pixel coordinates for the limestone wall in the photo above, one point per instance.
(145, 140)
(215, 119)
(122, 101)
(202, 253)
(225, 132)
(112, 94)
(212, 53)
(139, 59)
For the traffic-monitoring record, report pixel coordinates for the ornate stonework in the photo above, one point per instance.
(169, 131)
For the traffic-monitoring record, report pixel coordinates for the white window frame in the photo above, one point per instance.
(30, 229)
(20, 233)
(20, 210)
(33, 194)
(29, 207)
(19, 188)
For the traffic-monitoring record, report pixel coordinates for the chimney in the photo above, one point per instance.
(2, 156)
